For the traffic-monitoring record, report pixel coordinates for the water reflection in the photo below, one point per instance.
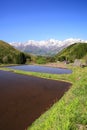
(35, 68)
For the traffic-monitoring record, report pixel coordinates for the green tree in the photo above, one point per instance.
(62, 58)
(41, 60)
(5, 59)
(20, 58)
(1, 60)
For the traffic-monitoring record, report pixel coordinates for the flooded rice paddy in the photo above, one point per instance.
(24, 98)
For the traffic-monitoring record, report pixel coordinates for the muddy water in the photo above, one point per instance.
(25, 98)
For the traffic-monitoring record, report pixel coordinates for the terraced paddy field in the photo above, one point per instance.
(24, 98)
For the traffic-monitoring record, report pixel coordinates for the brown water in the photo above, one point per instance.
(24, 98)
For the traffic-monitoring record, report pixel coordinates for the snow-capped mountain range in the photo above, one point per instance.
(48, 47)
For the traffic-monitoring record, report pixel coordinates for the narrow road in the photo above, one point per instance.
(24, 98)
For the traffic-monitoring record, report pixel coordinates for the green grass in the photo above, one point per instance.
(70, 113)
(5, 65)
(72, 52)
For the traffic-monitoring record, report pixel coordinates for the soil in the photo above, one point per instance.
(56, 65)
(24, 98)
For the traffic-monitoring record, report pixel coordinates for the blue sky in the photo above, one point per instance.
(22, 20)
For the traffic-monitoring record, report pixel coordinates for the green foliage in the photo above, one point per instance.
(28, 58)
(10, 55)
(62, 58)
(44, 60)
(41, 60)
(75, 51)
(85, 58)
(21, 59)
(71, 110)
(51, 59)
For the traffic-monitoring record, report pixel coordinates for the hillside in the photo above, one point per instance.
(46, 47)
(9, 54)
(72, 52)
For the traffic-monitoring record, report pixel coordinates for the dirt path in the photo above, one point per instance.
(25, 98)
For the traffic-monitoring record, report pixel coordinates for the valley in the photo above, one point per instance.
(70, 112)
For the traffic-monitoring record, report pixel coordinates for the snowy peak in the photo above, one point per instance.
(47, 47)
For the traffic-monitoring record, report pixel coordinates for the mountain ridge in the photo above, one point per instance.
(47, 47)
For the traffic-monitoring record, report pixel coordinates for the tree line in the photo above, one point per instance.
(18, 58)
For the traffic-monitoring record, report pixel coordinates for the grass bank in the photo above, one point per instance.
(70, 113)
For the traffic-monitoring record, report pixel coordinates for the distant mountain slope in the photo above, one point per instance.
(5, 48)
(8, 54)
(46, 48)
(72, 52)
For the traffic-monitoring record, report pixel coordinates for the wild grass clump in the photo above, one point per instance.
(71, 111)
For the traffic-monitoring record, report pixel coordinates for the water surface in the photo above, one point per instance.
(24, 98)
(44, 69)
